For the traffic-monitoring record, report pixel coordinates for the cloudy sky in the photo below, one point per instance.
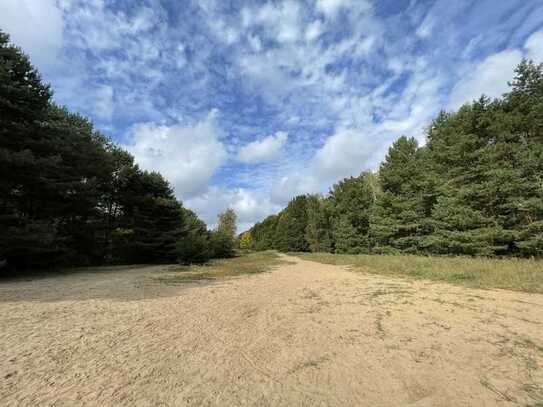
(248, 103)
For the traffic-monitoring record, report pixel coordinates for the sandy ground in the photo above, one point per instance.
(305, 334)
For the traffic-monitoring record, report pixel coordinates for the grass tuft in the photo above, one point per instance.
(247, 263)
(511, 274)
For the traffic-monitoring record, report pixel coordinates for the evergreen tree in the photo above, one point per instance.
(399, 218)
(157, 221)
(291, 226)
(318, 233)
(352, 200)
(28, 236)
(264, 233)
(193, 245)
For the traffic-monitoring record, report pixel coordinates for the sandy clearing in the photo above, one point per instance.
(306, 334)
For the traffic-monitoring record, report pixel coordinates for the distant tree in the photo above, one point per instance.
(227, 223)
(263, 233)
(193, 246)
(246, 241)
(157, 221)
(291, 226)
(223, 239)
(318, 232)
(399, 217)
(352, 200)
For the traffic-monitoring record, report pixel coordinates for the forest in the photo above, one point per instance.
(70, 197)
(474, 188)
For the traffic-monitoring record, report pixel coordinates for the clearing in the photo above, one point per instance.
(304, 334)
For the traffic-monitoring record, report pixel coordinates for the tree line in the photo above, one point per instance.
(475, 188)
(70, 196)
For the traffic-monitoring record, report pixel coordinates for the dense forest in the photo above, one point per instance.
(474, 188)
(69, 196)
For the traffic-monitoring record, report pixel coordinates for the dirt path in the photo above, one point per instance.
(306, 334)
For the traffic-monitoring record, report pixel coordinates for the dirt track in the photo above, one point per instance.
(305, 334)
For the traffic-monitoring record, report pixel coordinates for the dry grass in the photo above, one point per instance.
(248, 263)
(512, 274)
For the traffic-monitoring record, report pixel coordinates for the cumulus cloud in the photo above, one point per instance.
(534, 47)
(343, 78)
(313, 30)
(250, 206)
(187, 155)
(267, 149)
(104, 102)
(490, 78)
(36, 26)
(281, 21)
(295, 183)
(331, 7)
(347, 152)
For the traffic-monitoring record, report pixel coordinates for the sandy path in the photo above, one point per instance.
(305, 334)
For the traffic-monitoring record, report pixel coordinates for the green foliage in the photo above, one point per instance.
(68, 196)
(227, 223)
(246, 241)
(263, 233)
(352, 200)
(223, 240)
(318, 232)
(193, 245)
(291, 226)
(475, 188)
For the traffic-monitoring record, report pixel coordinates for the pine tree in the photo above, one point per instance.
(352, 200)
(291, 226)
(318, 232)
(27, 236)
(398, 220)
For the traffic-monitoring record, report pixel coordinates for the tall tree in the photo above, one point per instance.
(27, 235)
(352, 200)
(291, 226)
(227, 223)
(318, 232)
(398, 220)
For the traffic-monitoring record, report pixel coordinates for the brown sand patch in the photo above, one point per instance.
(306, 334)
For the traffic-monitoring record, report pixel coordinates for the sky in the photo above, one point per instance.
(245, 104)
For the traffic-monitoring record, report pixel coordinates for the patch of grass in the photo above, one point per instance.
(247, 263)
(511, 274)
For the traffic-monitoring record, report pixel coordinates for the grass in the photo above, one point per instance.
(511, 274)
(247, 263)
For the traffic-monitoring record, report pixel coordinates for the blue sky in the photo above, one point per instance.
(248, 103)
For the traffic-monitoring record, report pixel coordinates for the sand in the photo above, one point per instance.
(304, 334)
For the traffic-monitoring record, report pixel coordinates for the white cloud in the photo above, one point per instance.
(35, 26)
(281, 22)
(250, 206)
(331, 7)
(347, 152)
(295, 183)
(490, 78)
(534, 46)
(267, 149)
(313, 30)
(255, 42)
(426, 27)
(187, 156)
(104, 102)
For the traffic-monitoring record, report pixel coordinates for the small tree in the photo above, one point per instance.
(246, 241)
(227, 223)
(223, 239)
